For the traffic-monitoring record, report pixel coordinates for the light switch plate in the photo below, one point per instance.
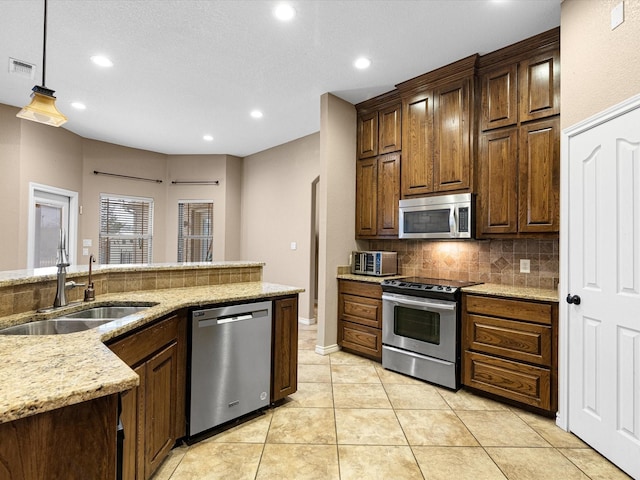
(617, 15)
(294, 246)
(525, 265)
(86, 242)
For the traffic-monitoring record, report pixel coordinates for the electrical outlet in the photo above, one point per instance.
(525, 265)
(294, 246)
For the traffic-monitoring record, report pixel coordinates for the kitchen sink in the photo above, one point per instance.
(76, 321)
(53, 327)
(111, 312)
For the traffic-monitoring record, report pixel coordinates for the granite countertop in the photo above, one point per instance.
(366, 278)
(525, 293)
(43, 372)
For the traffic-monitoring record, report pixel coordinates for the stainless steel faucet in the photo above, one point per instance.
(62, 264)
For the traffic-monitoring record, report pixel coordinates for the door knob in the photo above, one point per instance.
(575, 299)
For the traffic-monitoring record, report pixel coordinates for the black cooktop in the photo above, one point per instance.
(426, 287)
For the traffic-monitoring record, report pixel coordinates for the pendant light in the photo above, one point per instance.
(42, 108)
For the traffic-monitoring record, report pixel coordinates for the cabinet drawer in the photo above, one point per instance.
(527, 342)
(362, 289)
(516, 309)
(140, 345)
(523, 383)
(362, 310)
(361, 339)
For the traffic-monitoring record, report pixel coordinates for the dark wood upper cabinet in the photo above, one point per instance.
(539, 177)
(437, 130)
(498, 181)
(366, 197)
(452, 141)
(519, 143)
(368, 135)
(499, 97)
(378, 176)
(390, 129)
(417, 150)
(539, 86)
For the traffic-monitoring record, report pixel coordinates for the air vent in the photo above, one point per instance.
(22, 69)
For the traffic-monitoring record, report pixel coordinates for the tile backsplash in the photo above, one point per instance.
(487, 261)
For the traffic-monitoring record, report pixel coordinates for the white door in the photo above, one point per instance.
(51, 209)
(604, 272)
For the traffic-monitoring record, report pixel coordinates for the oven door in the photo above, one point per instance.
(420, 325)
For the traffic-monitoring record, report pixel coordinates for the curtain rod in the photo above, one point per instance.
(196, 182)
(96, 172)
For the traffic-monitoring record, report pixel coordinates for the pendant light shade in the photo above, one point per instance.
(42, 108)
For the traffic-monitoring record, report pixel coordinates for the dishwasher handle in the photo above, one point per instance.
(231, 318)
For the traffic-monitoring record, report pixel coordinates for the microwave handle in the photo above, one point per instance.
(452, 222)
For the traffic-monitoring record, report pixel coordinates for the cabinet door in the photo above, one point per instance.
(366, 197)
(133, 424)
(388, 194)
(499, 97)
(285, 348)
(451, 150)
(539, 177)
(390, 126)
(368, 135)
(160, 395)
(498, 182)
(539, 86)
(417, 145)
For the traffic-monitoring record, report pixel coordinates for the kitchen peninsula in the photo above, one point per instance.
(54, 377)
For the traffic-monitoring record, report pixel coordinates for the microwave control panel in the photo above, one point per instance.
(463, 219)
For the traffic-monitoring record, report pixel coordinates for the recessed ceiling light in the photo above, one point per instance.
(208, 138)
(256, 114)
(101, 61)
(79, 106)
(284, 12)
(362, 63)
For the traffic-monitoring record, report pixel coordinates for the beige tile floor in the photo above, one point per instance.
(353, 420)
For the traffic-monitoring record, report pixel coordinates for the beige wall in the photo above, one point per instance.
(233, 208)
(600, 66)
(337, 209)
(10, 190)
(277, 210)
(193, 168)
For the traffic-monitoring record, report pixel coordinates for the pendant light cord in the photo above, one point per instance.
(44, 45)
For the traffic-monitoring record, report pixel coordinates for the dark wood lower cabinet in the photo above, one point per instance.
(510, 349)
(74, 442)
(360, 318)
(284, 368)
(153, 414)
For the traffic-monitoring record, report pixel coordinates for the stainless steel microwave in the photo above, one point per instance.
(442, 216)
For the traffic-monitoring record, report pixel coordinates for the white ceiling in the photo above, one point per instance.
(187, 68)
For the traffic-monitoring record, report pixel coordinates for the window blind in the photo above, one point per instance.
(126, 229)
(195, 231)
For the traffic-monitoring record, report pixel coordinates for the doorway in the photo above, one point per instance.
(51, 210)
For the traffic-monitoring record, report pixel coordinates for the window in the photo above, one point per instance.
(126, 229)
(195, 231)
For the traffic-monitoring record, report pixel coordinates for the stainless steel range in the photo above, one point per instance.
(421, 328)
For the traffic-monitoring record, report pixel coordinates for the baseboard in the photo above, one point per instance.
(320, 350)
(307, 321)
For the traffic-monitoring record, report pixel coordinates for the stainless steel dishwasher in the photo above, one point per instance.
(230, 364)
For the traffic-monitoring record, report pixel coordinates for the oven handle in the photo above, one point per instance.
(405, 300)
